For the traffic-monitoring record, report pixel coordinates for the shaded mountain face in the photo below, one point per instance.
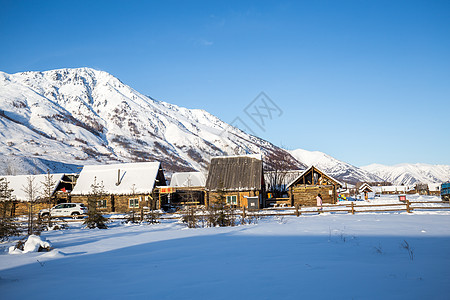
(84, 116)
(338, 169)
(410, 174)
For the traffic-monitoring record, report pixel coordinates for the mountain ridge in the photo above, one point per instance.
(65, 118)
(85, 116)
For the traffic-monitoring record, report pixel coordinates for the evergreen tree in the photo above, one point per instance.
(7, 226)
(94, 218)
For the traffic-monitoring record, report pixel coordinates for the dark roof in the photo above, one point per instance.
(235, 173)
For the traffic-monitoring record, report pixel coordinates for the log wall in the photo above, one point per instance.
(306, 195)
(240, 196)
(114, 203)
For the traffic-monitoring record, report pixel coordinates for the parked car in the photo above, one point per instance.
(64, 210)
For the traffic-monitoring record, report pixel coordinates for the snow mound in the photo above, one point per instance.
(33, 244)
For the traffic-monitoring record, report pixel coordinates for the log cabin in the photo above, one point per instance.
(304, 189)
(239, 179)
(365, 189)
(21, 199)
(186, 188)
(126, 186)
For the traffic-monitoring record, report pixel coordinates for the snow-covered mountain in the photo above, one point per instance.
(410, 174)
(84, 116)
(336, 168)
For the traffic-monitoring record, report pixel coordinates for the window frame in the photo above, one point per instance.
(231, 199)
(102, 203)
(136, 202)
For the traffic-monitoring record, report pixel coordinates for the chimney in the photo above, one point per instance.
(118, 177)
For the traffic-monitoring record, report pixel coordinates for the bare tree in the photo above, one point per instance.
(31, 190)
(48, 185)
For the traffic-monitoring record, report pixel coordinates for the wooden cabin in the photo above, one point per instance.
(304, 189)
(186, 188)
(21, 199)
(239, 179)
(365, 189)
(126, 187)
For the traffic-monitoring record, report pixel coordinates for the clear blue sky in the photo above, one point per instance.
(364, 81)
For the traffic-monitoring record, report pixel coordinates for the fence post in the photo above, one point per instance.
(353, 208)
(243, 213)
(408, 209)
(297, 212)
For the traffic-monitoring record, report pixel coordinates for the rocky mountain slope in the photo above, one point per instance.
(340, 170)
(84, 116)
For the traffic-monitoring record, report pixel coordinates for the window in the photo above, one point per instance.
(101, 203)
(232, 200)
(134, 203)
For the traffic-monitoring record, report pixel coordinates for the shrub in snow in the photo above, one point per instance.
(32, 244)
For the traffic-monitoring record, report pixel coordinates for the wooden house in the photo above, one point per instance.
(126, 187)
(239, 179)
(21, 199)
(186, 188)
(365, 189)
(304, 189)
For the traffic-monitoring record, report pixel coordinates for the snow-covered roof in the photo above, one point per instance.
(187, 179)
(18, 183)
(119, 179)
(307, 170)
(392, 188)
(365, 186)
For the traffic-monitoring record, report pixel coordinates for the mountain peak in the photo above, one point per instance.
(86, 116)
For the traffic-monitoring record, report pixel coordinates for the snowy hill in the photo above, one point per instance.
(84, 116)
(336, 168)
(409, 174)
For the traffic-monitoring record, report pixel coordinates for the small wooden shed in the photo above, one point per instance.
(304, 189)
(127, 186)
(238, 178)
(186, 188)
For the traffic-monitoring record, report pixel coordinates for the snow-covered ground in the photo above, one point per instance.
(328, 256)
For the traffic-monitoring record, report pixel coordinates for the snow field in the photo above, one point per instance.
(317, 256)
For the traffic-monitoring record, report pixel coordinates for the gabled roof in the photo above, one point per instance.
(188, 179)
(235, 173)
(120, 179)
(365, 186)
(317, 169)
(17, 183)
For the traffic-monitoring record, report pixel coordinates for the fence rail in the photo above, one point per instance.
(290, 211)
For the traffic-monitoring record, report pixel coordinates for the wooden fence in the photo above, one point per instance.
(407, 206)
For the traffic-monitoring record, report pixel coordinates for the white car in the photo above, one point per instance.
(64, 210)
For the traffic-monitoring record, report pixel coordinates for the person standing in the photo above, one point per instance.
(319, 202)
